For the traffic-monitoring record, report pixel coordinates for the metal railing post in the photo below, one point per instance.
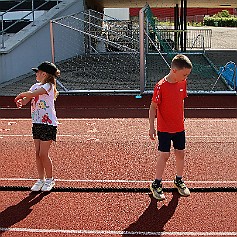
(53, 52)
(33, 13)
(235, 78)
(2, 34)
(90, 44)
(52, 41)
(28, 14)
(142, 52)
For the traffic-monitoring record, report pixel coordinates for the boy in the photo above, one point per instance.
(168, 103)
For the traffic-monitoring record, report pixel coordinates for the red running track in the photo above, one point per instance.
(121, 106)
(100, 153)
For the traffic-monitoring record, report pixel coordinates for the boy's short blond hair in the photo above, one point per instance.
(181, 61)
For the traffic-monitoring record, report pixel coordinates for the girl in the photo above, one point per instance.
(44, 120)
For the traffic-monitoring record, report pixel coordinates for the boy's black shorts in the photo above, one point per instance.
(165, 139)
(44, 132)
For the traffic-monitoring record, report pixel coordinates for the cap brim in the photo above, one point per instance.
(35, 69)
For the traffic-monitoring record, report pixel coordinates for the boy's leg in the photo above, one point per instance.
(179, 151)
(164, 153)
(178, 182)
(161, 163)
(156, 186)
(179, 154)
(179, 146)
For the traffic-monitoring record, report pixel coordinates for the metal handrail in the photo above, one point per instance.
(149, 38)
(203, 45)
(14, 7)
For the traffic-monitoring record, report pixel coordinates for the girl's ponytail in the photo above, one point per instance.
(57, 74)
(52, 80)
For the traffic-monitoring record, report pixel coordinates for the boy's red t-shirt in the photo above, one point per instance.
(169, 98)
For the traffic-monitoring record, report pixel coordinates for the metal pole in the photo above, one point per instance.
(2, 34)
(203, 43)
(53, 52)
(185, 25)
(33, 13)
(90, 31)
(146, 39)
(52, 41)
(235, 77)
(176, 25)
(142, 53)
(182, 26)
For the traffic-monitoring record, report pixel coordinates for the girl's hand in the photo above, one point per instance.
(19, 97)
(19, 103)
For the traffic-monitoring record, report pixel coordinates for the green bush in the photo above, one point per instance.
(222, 19)
(223, 13)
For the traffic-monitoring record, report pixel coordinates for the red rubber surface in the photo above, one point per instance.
(118, 149)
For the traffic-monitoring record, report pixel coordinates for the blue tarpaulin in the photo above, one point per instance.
(229, 72)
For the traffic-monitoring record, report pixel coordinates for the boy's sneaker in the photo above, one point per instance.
(182, 189)
(48, 185)
(157, 192)
(38, 185)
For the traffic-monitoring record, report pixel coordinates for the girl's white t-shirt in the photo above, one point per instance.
(42, 106)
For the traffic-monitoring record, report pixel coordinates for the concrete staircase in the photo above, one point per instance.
(27, 6)
(17, 24)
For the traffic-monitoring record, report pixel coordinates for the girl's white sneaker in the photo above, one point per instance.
(38, 185)
(48, 185)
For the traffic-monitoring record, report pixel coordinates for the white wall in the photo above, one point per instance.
(118, 13)
(19, 15)
(29, 47)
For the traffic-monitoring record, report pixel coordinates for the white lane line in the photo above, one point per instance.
(123, 181)
(126, 108)
(114, 232)
(85, 119)
(213, 108)
(81, 135)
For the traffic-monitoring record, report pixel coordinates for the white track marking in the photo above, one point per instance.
(210, 108)
(85, 119)
(126, 108)
(75, 135)
(123, 181)
(114, 232)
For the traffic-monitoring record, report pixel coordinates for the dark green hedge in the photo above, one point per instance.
(220, 21)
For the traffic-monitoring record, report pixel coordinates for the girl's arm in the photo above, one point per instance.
(25, 100)
(24, 97)
(31, 94)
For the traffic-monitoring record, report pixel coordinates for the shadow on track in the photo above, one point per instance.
(153, 219)
(20, 211)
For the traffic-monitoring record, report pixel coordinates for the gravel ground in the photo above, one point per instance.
(224, 37)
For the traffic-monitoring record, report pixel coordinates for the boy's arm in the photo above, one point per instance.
(152, 115)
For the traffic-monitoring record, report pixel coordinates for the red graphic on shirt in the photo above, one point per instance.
(46, 119)
(34, 102)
